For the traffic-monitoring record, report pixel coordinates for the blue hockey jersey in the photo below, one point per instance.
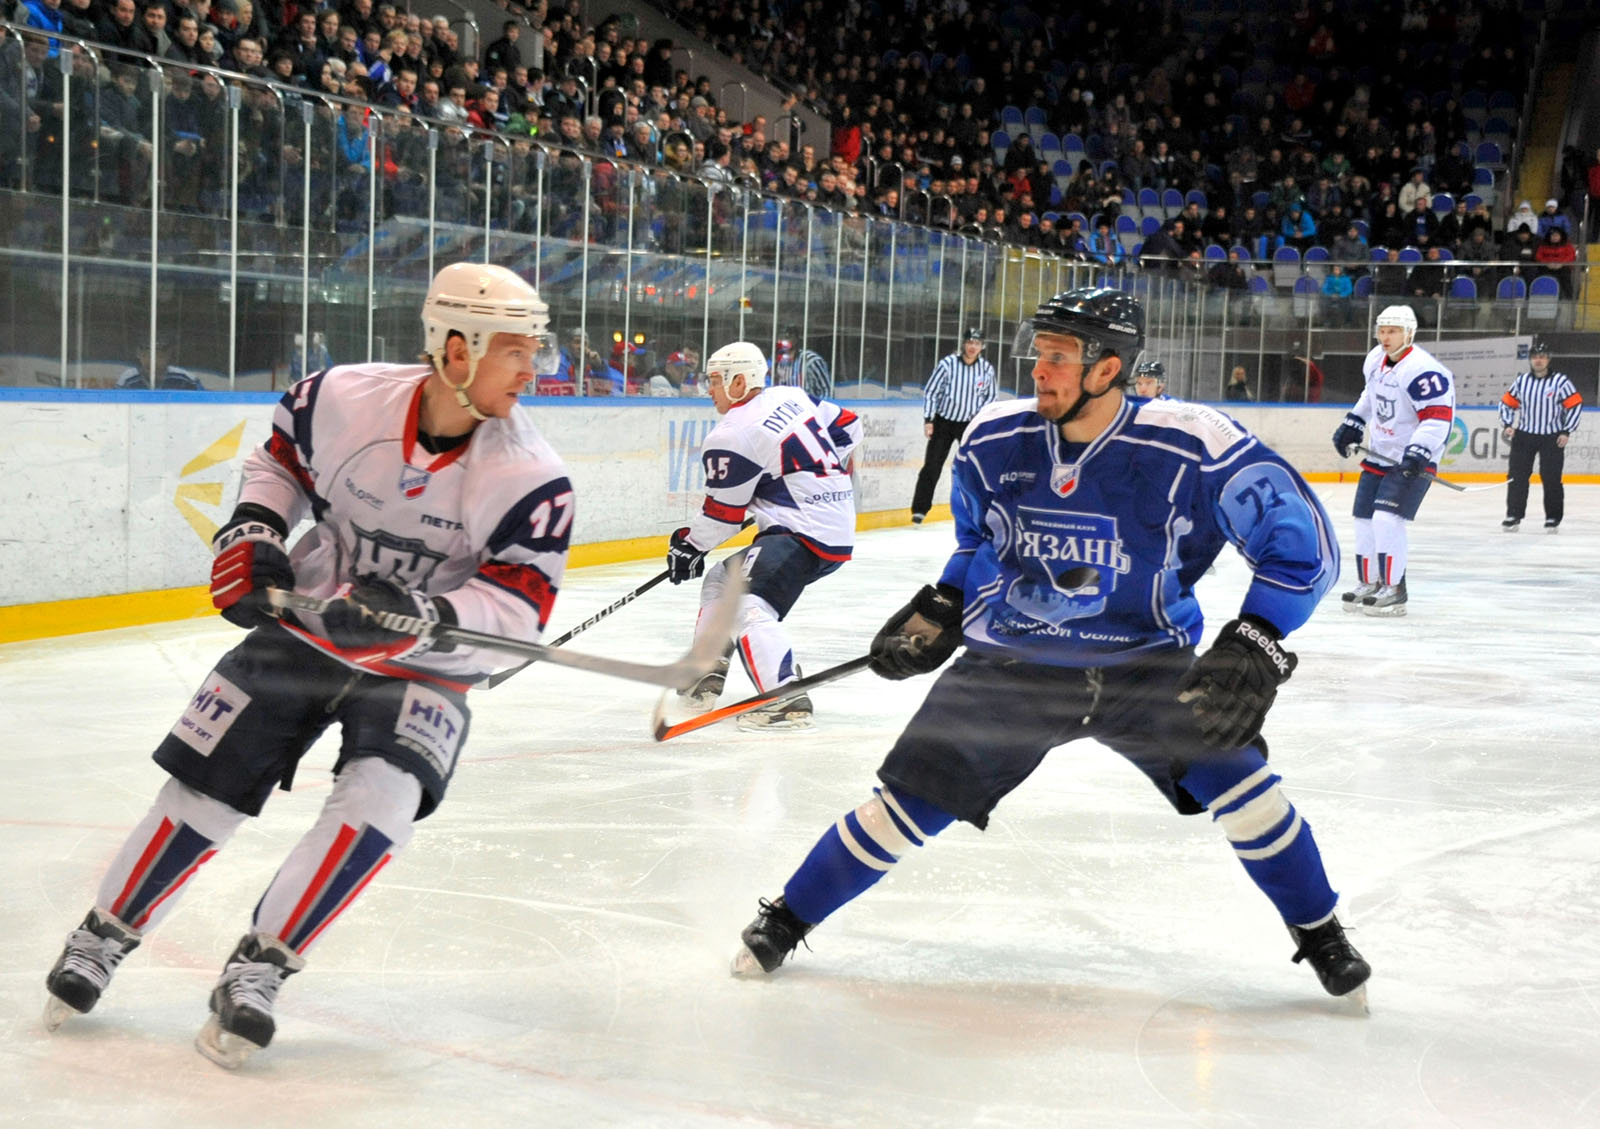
(1074, 554)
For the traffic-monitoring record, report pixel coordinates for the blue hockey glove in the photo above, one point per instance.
(684, 561)
(1233, 685)
(249, 560)
(1415, 460)
(351, 622)
(920, 636)
(1348, 434)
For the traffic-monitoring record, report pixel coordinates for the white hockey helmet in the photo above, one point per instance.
(1402, 316)
(478, 300)
(739, 359)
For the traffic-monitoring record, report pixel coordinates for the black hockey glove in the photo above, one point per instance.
(920, 636)
(351, 621)
(249, 560)
(1415, 460)
(684, 561)
(1232, 686)
(1348, 434)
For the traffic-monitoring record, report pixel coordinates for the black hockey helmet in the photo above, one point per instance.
(1539, 346)
(1110, 323)
(1153, 369)
(973, 334)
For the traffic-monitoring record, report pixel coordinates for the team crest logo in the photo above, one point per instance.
(414, 482)
(1385, 409)
(1064, 480)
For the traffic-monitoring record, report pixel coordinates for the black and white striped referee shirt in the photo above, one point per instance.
(1542, 405)
(957, 390)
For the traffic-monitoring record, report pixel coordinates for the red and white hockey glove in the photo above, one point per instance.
(249, 559)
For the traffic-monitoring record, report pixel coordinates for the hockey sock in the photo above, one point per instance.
(1271, 840)
(858, 850)
(764, 649)
(180, 832)
(711, 589)
(1366, 549)
(366, 820)
(1389, 531)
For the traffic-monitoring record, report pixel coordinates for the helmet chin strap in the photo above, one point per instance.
(461, 389)
(1084, 395)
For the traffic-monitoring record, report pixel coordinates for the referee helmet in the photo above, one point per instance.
(973, 334)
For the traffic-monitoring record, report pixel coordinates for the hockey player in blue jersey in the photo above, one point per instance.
(1083, 520)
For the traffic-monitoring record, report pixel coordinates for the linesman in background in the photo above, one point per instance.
(962, 384)
(1538, 413)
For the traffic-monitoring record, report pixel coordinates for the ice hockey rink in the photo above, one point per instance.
(553, 948)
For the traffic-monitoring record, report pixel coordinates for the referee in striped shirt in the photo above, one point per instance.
(1538, 413)
(961, 384)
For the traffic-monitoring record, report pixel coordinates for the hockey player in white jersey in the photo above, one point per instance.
(1405, 413)
(432, 494)
(782, 458)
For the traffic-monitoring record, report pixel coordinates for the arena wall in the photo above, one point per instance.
(111, 498)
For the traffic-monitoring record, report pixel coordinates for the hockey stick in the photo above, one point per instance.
(1445, 482)
(601, 614)
(679, 674)
(584, 626)
(664, 732)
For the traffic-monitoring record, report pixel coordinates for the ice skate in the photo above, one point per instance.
(241, 1003)
(1341, 969)
(790, 715)
(1552, 527)
(84, 968)
(769, 939)
(1510, 524)
(703, 694)
(917, 519)
(1389, 600)
(1352, 599)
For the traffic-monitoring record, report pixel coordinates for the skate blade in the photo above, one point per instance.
(1394, 611)
(746, 965)
(224, 1048)
(57, 1012)
(1356, 1000)
(1352, 606)
(804, 726)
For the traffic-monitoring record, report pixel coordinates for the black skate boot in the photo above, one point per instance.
(241, 1003)
(791, 713)
(1334, 959)
(1510, 524)
(81, 973)
(769, 939)
(704, 694)
(1388, 600)
(1352, 599)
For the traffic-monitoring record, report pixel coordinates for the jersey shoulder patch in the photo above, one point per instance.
(1215, 431)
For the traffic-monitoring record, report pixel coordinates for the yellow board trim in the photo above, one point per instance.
(20, 622)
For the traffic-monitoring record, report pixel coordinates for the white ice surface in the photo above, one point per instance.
(552, 949)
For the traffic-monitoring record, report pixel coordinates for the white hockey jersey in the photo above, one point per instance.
(485, 524)
(1408, 401)
(783, 458)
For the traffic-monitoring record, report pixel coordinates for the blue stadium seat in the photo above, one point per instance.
(1285, 266)
(1363, 287)
(1149, 201)
(1195, 196)
(1317, 263)
(1171, 202)
(1410, 256)
(1544, 299)
(1463, 288)
(1149, 225)
(1443, 202)
(1214, 253)
(1511, 289)
(1379, 254)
